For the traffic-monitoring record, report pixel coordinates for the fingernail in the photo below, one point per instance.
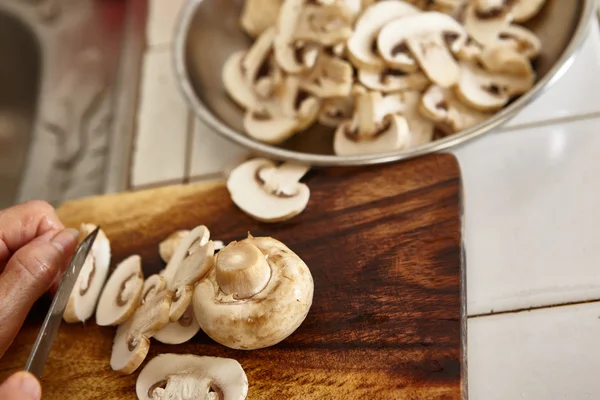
(26, 384)
(65, 239)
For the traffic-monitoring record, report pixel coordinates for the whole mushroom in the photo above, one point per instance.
(258, 293)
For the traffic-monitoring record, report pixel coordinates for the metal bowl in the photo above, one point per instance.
(208, 31)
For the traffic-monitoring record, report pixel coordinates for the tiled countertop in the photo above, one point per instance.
(532, 193)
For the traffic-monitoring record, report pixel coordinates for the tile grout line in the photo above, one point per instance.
(548, 122)
(534, 308)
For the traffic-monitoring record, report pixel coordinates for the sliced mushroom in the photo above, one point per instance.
(504, 60)
(421, 129)
(485, 19)
(267, 192)
(152, 285)
(257, 67)
(235, 82)
(488, 91)
(257, 295)
(199, 236)
(336, 110)
(521, 40)
(326, 25)
(167, 247)
(259, 15)
(122, 293)
(331, 77)
(454, 8)
(524, 10)
(85, 294)
(362, 49)
(180, 331)
(191, 270)
(186, 376)
(389, 80)
(374, 128)
(132, 340)
(289, 111)
(442, 106)
(430, 38)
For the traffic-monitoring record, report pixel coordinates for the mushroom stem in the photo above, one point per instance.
(283, 179)
(366, 109)
(242, 270)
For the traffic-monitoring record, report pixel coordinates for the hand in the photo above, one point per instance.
(34, 251)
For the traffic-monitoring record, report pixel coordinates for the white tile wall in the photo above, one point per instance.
(531, 190)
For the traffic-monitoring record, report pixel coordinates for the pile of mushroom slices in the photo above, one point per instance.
(250, 294)
(387, 75)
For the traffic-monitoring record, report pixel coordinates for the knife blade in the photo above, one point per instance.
(43, 343)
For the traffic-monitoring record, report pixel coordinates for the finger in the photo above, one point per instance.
(21, 386)
(22, 223)
(28, 275)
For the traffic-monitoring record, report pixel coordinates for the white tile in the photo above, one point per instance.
(532, 213)
(577, 92)
(211, 153)
(162, 15)
(550, 354)
(162, 119)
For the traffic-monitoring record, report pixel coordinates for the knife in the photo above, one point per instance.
(41, 348)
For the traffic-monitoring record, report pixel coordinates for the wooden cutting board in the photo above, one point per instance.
(388, 316)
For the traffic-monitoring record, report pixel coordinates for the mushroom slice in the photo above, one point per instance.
(489, 91)
(454, 8)
(180, 331)
(324, 24)
(524, 10)
(152, 286)
(485, 19)
(122, 293)
(259, 15)
(390, 80)
(235, 82)
(256, 63)
(132, 340)
(331, 77)
(167, 247)
(267, 192)
(186, 376)
(521, 40)
(285, 113)
(421, 129)
(374, 129)
(442, 106)
(191, 270)
(85, 293)
(257, 295)
(430, 37)
(504, 60)
(362, 50)
(336, 110)
(199, 235)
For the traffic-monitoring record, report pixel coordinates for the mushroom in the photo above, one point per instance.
(374, 129)
(132, 340)
(485, 19)
(524, 10)
(85, 293)
(521, 40)
(429, 37)
(122, 293)
(257, 295)
(504, 60)
(187, 376)
(336, 110)
(267, 192)
(421, 129)
(443, 107)
(390, 80)
(258, 15)
(199, 236)
(180, 331)
(167, 247)
(362, 50)
(326, 25)
(489, 91)
(454, 8)
(288, 111)
(152, 285)
(331, 77)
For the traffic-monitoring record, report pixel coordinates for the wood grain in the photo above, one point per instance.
(384, 248)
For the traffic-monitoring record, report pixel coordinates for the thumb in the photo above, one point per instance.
(28, 275)
(21, 386)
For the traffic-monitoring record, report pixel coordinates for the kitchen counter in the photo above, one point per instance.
(531, 207)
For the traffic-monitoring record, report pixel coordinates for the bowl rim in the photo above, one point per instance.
(559, 68)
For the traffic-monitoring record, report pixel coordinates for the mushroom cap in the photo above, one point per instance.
(122, 293)
(389, 80)
(152, 286)
(393, 136)
(266, 318)
(367, 27)
(180, 331)
(199, 235)
(261, 125)
(191, 376)
(521, 40)
(524, 10)
(485, 30)
(248, 192)
(167, 247)
(236, 84)
(84, 297)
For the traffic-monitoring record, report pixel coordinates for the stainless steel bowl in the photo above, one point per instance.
(208, 32)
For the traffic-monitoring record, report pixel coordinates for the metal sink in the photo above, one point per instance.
(68, 80)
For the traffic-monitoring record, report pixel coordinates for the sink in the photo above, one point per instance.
(20, 83)
(68, 82)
